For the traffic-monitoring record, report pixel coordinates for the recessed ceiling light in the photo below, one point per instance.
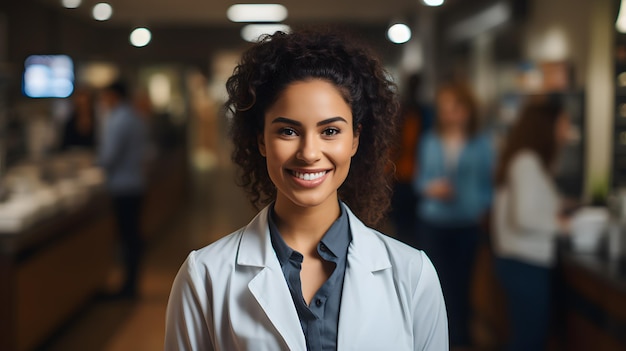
(433, 2)
(620, 24)
(102, 11)
(71, 4)
(140, 37)
(257, 13)
(399, 33)
(252, 32)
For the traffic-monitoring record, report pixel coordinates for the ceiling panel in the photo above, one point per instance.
(213, 12)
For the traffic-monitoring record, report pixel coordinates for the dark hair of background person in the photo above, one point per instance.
(119, 88)
(465, 96)
(278, 60)
(534, 131)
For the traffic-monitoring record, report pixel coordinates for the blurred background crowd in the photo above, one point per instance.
(509, 171)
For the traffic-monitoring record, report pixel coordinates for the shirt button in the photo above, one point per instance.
(318, 302)
(323, 248)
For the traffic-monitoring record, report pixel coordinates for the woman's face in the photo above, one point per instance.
(451, 111)
(308, 142)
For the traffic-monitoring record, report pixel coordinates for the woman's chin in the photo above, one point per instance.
(309, 201)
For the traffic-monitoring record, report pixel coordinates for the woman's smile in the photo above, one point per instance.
(308, 178)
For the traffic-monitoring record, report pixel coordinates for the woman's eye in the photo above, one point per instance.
(330, 131)
(287, 132)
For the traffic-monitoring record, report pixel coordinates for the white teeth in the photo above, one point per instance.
(309, 176)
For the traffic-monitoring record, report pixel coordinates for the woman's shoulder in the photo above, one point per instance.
(377, 247)
(402, 252)
(406, 261)
(411, 267)
(525, 160)
(217, 253)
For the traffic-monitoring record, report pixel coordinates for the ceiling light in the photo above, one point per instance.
(481, 22)
(71, 4)
(252, 32)
(399, 33)
(257, 13)
(621, 18)
(140, 37)
(433, 2)
(102, 11)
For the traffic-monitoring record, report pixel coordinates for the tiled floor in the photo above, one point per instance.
(217, 207)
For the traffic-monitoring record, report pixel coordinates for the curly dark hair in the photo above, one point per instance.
(278, 60)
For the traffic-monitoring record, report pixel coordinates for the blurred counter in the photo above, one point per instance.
(57, 245)
(593, 299)
(51, 269)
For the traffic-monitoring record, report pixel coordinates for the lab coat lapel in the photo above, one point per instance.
(268, 286)
(367, 256)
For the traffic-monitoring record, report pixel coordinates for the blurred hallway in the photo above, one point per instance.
(215, 208)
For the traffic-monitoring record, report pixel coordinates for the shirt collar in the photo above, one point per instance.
(337, 238)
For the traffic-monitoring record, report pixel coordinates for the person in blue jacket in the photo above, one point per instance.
(314, 118)
(454, 181)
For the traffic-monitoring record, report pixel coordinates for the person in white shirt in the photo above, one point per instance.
(314, 119)
(527, 218)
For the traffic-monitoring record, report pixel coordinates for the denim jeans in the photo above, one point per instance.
(528, 288)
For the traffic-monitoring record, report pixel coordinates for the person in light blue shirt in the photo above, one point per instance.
(122, 155)
(470, 181)
(454, 181)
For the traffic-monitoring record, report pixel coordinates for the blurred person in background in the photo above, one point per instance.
(122, 154)
(404, 199)
(79, 129)
(527, 219)
(454, 182)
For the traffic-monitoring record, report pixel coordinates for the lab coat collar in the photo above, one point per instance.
(366, 255)
(268, 286)
(256, 247)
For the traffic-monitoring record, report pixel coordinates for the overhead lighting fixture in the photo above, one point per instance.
(71, 4)
(433, 2)
(253, 32)
(102, 11)
(140, 37)
(620, 25)
(257, 13)
(399, 33)
(489, 18)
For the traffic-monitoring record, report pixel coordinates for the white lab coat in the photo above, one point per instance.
(232, 295)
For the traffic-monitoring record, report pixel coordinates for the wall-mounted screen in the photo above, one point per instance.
(48, 76)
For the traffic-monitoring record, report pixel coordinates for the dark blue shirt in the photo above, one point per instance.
(320, 320)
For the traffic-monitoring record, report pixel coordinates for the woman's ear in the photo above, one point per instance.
(355, 139)
(261, 143)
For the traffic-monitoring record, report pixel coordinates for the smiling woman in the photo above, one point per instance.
(356, 75)
(313, 121)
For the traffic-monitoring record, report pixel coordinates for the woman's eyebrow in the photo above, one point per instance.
(332, 120)
(320, 123)
(286, 121)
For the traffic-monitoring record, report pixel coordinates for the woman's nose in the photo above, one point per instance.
(309, 150)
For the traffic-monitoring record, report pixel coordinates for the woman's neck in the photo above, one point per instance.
(302, 228)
